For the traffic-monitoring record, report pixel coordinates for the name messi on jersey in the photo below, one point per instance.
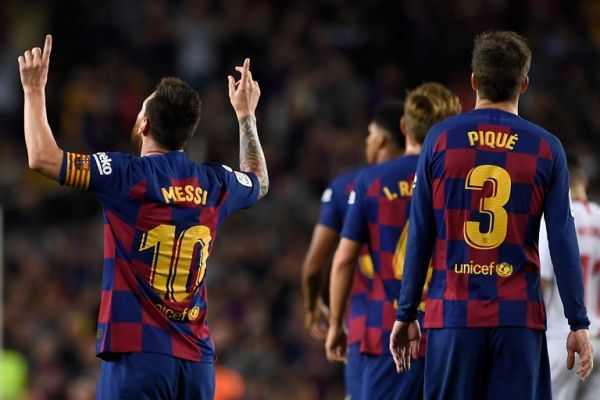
(405, 189)
(493, 139)
(184, 194)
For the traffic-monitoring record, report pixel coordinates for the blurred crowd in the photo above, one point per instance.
(322, 66)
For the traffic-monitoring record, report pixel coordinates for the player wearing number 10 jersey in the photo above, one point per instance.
(161, 215)
(483, 181)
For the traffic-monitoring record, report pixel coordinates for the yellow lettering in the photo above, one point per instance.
(501, 139)
(179, 193)
(405, 189)
(197, 195)
(476, 269)
(388, 194)
(169, 195)
(490, 139)
(204, 196)
(189, 192)
(472, 137)
(511, 142)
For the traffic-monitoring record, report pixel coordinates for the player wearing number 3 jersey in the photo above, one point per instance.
(161, 216)
(483, 181)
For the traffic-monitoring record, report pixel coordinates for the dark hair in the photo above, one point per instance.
(174, 113)
(426, 105)
(501, 62)
(387, 116)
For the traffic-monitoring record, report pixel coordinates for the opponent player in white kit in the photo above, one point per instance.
(566, 384)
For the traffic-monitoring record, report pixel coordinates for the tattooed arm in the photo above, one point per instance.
(244, 99)
(252, 158)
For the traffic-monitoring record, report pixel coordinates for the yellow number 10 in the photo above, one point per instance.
(492, 206)
(172, 260)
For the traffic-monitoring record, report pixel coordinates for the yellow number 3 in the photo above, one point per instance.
(492, 206)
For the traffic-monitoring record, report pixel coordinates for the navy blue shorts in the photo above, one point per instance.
(353, 373)
(382, 382)
(154, 376)
(487, 363)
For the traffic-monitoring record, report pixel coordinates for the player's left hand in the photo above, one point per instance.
(404, 343)
(579, 342)
(33, 67)
(315, 321)
(336, 345)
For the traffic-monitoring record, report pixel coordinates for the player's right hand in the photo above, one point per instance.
(336, 345)
(579, 342)
(404, 343)
(244, 94)
(33, 67)
(315, 321)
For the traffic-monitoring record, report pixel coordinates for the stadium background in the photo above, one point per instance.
(322, 67)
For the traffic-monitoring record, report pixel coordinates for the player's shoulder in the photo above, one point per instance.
(341, 181)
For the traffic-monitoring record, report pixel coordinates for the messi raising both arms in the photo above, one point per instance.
(161, 215)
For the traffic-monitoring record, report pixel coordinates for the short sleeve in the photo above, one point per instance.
(356, 226)
(242, 187)
(104, 174)
(330, 215)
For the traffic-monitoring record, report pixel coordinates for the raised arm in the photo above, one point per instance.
(244, 96)
(42, 151)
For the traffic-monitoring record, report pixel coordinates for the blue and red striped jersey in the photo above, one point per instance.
(334, 207)
(161, 216)
(483, 181)
(379, 210)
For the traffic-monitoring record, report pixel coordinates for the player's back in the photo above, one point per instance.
(161, 215)
(379, 210)
(490, 172)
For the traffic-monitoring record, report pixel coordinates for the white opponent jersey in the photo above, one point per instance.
(587, 222)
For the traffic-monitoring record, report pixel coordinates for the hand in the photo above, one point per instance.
(404, 343)
(244, 94)
(579, 342)
(33, 67)
(336, 345)
(315, 321)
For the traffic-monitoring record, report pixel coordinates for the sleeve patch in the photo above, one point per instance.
(227, 168)
(103, 161)
(243, 179)
(78, 171)
(326, 196)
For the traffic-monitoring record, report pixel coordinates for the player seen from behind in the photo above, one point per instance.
(378, 210)
(483, 181)
(161, 215)
(384, 142)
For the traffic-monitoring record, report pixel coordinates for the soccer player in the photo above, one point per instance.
(379, 206)
(565, 385)
(379, 147)
(483, 181)
(161, 215)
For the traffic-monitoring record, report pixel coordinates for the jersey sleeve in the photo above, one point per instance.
(546, 267)
(356, 226)
(421, 237)
(330, 215)
(562, 240)
(103, 174)
(242, 187)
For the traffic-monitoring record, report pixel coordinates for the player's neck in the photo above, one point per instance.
(511, 106)
(387, 154)
(151, 148)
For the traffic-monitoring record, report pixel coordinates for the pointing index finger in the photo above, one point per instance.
(47, 47)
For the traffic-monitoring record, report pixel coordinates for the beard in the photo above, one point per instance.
(136, 138)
